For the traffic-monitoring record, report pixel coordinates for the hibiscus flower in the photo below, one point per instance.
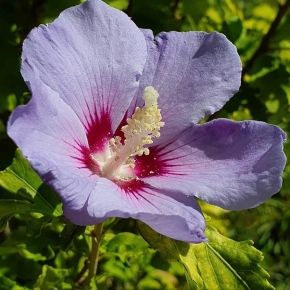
(112, 124)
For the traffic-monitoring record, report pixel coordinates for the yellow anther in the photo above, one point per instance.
(150, 97)
(146, 151)
(144, 125)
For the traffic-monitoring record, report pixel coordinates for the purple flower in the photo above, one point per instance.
(81, 131)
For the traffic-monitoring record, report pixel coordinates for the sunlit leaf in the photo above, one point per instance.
(119, 4)
(221, 263)
(23, 182)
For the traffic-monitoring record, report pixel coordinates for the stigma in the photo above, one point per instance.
(144, 125)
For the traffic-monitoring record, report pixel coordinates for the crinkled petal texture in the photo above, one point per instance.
(235, 165)
(92, 55)
(51, 136)
(195, 73)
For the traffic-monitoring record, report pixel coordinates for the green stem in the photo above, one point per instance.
(94, 255)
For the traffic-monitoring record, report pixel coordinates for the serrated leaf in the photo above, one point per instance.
(23, 183)
(221, 263)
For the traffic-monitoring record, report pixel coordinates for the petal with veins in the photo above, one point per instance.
(51, 136)
(235, 165)
(195, 74)
(92, 55)
(168, 212)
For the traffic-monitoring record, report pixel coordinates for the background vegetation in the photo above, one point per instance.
(37, 251)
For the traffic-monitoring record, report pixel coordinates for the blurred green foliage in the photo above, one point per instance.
(41, 251)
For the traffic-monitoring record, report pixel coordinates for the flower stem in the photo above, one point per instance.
(94, 254)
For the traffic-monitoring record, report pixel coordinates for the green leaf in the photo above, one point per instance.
(30, 241)
(19, 175)
(22, 250)
(127, 256)
(8, 284)
(196, 9)
(221, 263)
(69, 233)
(158, 13)
(233, 29)
(51, 279)
(28, 193)
(119, 4)
(3, 222)
(12, 206)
